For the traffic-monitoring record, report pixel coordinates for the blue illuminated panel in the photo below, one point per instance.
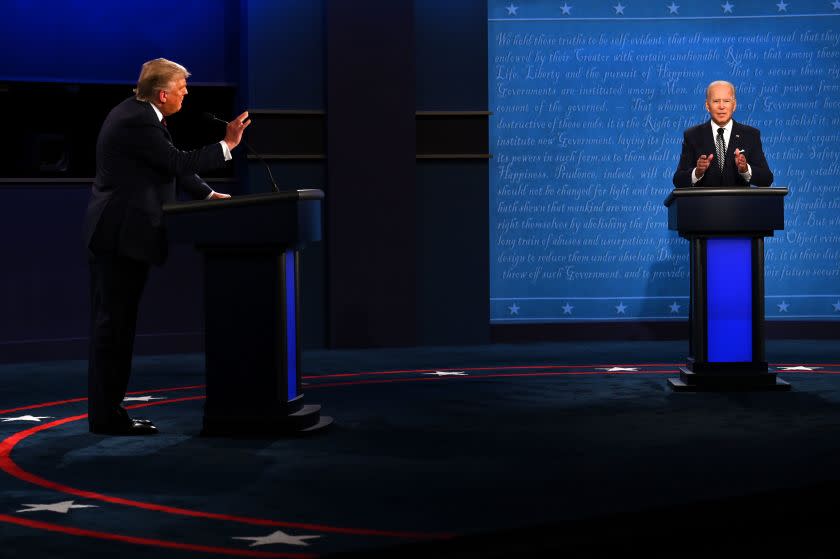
(291, 323)
(729, 299)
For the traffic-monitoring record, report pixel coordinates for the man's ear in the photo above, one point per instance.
(161, 94)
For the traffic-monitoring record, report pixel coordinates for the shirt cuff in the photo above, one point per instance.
(694, 179)
(212, 192)
(748, 175)
(226, 151)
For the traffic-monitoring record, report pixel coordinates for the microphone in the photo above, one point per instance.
(211, 116)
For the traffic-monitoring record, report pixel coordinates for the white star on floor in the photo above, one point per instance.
(141, 398)
(278, 537)
(620, 308)
(799, 368)
(512, 9)
(727, 8)
(619, 9)
(783, 307)
(782, 6)
(448, 373)
(514, 309)
(63, 507)
(837, 304)
(567, 10)
(674, 307)
(34, 418)
(617, 369)
(567, 308)
(673, 9)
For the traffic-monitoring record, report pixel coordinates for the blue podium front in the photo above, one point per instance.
(726, 228)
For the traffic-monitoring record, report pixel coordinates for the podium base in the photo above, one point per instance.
(298, 420)
(690, 381)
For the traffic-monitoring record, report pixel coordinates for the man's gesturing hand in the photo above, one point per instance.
(702, 164)
(235, 128)
(741, 161)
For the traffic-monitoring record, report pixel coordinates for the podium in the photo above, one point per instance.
(250, 245)
(726, 228)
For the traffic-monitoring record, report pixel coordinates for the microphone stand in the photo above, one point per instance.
(249, 148)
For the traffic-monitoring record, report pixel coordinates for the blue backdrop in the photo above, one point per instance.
(589, 102)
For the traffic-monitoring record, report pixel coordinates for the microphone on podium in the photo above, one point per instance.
(211, 116)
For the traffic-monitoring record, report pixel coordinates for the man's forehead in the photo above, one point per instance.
(718, 90)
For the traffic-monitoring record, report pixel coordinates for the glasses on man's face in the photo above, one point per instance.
(724, 102)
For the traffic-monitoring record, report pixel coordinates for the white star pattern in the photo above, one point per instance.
(620, 308)
(674, 307)
(33, 418)
(619, 9)
(514, 309)
(799, 368)
(63, 507)
(617, 369)
(567, 308)
(673, 9)
(783, 307)
(277, 537)
(782, 6)
(567, 10)
(141, 398)
(727, 8)
(836, 306)
(448, 374)
(512, 9)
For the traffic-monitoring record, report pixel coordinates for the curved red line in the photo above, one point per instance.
(505, 368)
(49, 526)
(84, 399)
(479, 377)
(10, 467)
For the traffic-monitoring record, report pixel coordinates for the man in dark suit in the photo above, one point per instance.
(722, 152)
(137, 171)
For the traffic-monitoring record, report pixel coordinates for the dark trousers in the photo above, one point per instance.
(116, 285)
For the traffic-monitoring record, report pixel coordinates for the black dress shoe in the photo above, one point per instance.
(133, 427)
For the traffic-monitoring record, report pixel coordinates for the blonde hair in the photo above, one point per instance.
(156, 75)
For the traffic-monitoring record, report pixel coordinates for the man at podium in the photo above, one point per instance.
(137, 171)
(722, 152)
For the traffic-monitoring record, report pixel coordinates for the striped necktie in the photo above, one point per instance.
(721, 148)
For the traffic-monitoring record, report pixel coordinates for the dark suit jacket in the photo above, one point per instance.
(137, 170)
(699, 140)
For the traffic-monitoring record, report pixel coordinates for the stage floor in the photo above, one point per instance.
(493, 451)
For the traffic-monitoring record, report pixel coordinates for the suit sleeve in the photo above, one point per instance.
(194, 186)
(688, 160)
(156, 150)
(761, 173)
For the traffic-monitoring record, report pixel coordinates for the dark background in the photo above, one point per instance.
(380, 103)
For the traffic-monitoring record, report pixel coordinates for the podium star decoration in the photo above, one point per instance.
(837, 304)
(782, 6)
(619, 9)
(567, 10)
(836, 4)
(277, 537)
(675, 307)
(727, 8)
(620, 308)
(783, 307)
(514, 309)
(673, 9)
(63, 507)
(33, 418)
(511, 9)
(567, 308)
